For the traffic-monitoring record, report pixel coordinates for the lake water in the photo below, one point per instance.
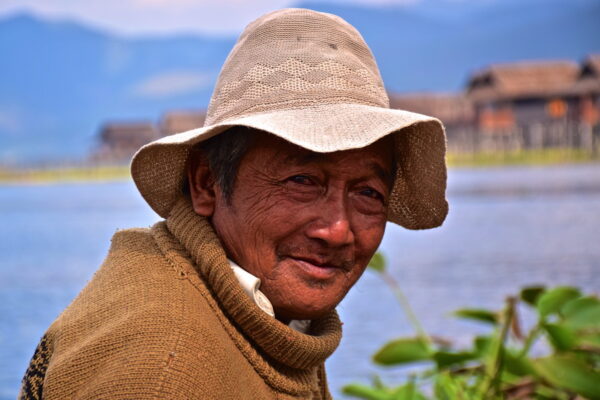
(507, 227)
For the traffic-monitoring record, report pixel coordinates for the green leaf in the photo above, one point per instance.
(573, 307)
(561, 337)
(378, 262)
(478, 315)
(445, 359)
(408, 391)
(571, 374)
(366, 392)
(482, 345)
(378, 383)
(518, 366)
(591, 340)
(445, 387)
(550, 393)
(401, 351)
(531, 294)
(552, 301)
(583, 312)
(452, 387)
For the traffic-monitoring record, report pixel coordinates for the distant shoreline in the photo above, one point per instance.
(50, 175)
(540, 157)
(83, 174)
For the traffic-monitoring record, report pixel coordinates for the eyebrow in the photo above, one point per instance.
(304, 159)
(386, 176)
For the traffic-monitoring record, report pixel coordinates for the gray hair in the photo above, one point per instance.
(224, 153)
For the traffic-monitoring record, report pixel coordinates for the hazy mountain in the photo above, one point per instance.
(60, 80)
(435, 45)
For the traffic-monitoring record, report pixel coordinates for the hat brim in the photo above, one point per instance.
(418, 197)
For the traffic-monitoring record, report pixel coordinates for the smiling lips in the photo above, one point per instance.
(318, 269)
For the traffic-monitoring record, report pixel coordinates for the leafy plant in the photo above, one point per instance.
(499, 365)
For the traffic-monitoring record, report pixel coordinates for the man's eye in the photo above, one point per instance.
(300, 179)
(372, 193)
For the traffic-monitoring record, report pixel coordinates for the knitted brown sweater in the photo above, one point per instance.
(164, 317)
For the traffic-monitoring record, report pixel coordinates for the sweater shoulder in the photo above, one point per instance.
(135, 257)
(134, 243)
(135, 275)
(114, 339)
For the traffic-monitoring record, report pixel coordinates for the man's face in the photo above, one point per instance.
(305, 223)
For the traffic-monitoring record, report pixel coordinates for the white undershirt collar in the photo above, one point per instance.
(251, 285)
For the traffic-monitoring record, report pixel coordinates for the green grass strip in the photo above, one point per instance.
(64, 175)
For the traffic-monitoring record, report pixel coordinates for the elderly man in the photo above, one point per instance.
(272, 212)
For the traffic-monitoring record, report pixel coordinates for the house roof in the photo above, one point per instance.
(523, 80)
(133, 133)
(448, 107)
(589, 77)
(178, 121)
(591, 67)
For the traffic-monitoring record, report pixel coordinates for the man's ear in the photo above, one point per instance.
(201, 184)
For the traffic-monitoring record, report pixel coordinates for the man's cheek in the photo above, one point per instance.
(264, 206)
(371, 233)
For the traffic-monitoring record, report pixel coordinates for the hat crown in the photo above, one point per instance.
(295, 58)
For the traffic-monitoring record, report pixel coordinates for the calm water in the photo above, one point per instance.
(507, 228)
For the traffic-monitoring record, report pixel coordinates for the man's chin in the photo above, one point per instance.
(308, 312)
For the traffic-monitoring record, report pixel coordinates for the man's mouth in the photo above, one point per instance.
(318, 268)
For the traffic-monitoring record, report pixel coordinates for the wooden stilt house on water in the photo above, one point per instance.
(181, 120)
(536, 104)
(521, 105)
(587, 89)
(454, 109)
(120, 140)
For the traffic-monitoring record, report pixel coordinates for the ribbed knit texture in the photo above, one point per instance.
(165, 318)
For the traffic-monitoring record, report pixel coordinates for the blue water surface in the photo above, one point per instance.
(507, 227)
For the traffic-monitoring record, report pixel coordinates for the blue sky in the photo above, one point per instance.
(140, 17)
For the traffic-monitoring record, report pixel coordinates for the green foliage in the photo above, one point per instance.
(571, 373)
(552, 301)
(499, 365)
(366, 392)
(444, 359)
(408, 391)
(478, 315)
(377, 263)
(402, 351)
(531, 294)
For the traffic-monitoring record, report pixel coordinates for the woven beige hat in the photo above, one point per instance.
(309, 78)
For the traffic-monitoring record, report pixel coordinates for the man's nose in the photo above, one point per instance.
(332, 225)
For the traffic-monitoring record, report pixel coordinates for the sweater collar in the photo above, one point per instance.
(280, 342)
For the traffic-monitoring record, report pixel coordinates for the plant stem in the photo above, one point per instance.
(495, 364)
(403, 300)
(530, 339)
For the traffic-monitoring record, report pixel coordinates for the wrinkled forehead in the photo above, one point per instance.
(275, 151)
